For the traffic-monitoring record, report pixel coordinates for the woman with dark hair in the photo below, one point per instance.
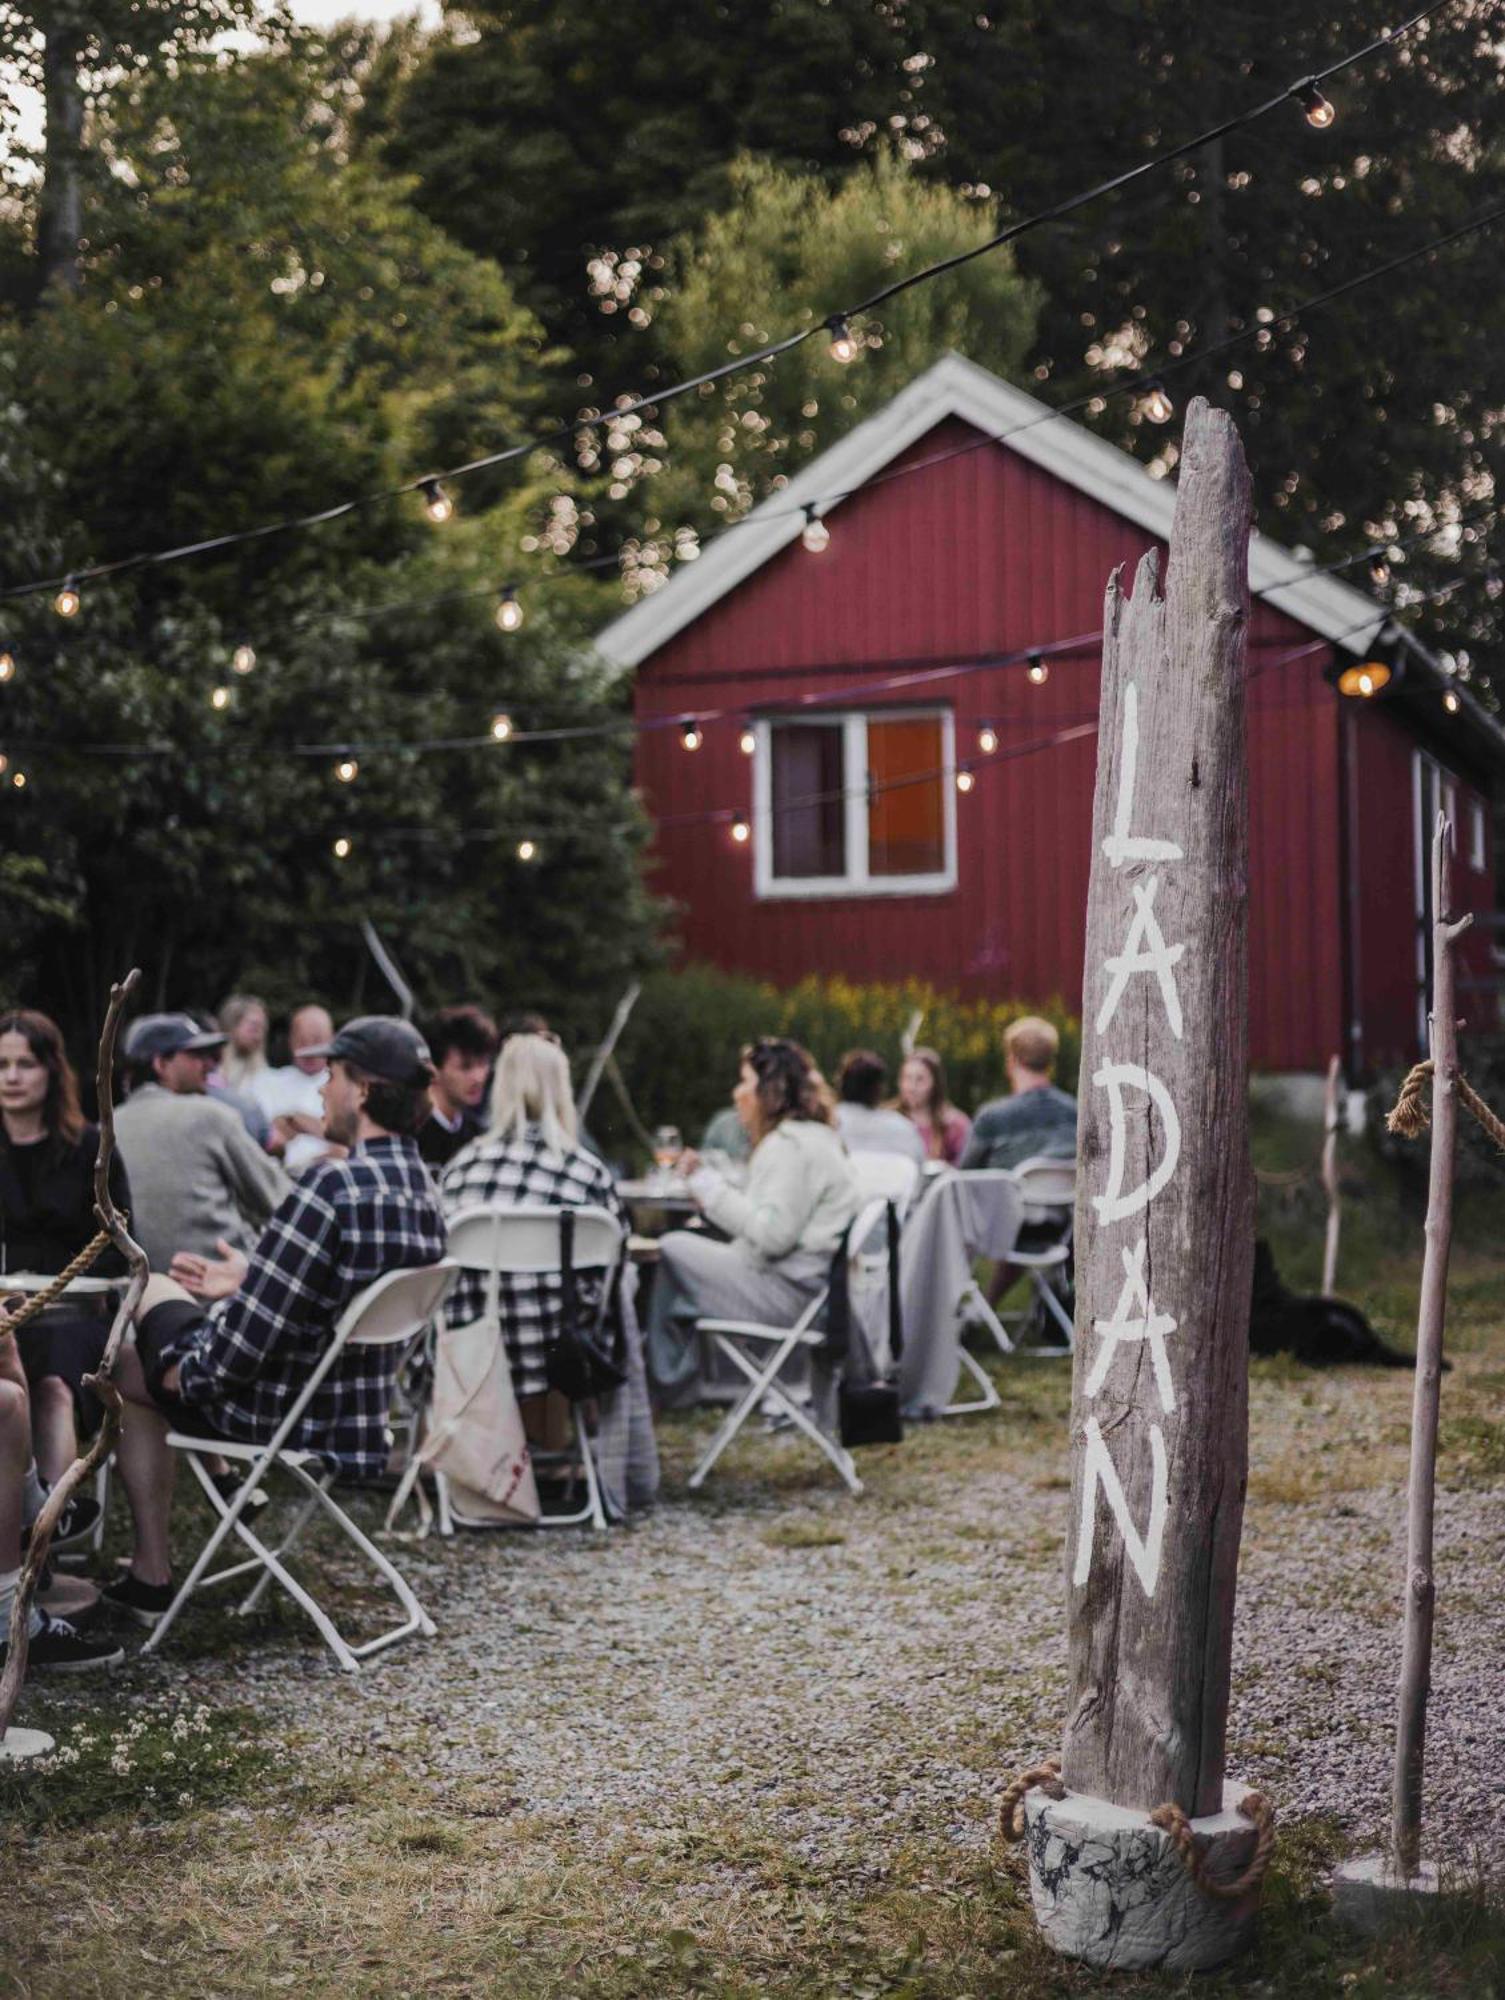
(923, 1101)
(47, 1154)
(783, 1227)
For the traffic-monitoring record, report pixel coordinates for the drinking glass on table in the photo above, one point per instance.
(667, 1147)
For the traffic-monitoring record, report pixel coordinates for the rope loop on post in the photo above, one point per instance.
(1409, 1117)
(40, 1301)
(1177, 1827)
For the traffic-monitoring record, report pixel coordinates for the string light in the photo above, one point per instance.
(964, 779)
(501, 728)
(527, 850)
(7, 664)
(843, 346)
(342, 848)
(4, 763)
(1157, 405)
(741, 831)
(509, 613)
(347, 770)
(436, 502)
(692, 736)
(18, 779)
(1379, 572)
(243, 659)
(66, 603)
(1365, 680)
(747, 742)
(220, 698)
(815, 534)
(1039, 672)
(987, 740)
(1319, 110)
(1451, 702)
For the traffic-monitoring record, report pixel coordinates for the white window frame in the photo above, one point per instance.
(857, 881)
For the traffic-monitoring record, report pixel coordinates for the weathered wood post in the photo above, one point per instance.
(1165, 1237)
(1365, 1889)
(1332, 1118)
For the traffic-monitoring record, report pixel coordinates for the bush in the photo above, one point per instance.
(679, 1052)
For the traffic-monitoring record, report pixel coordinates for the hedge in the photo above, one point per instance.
(679, 1052)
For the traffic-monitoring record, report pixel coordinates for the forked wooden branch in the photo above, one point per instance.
(1331, 1119)
(113, 1223)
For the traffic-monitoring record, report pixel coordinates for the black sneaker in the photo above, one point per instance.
(76, 1523)
(147, 1603)
(228, 1484)
(57, 1648)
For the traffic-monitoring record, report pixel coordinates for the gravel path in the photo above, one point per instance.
(842, 1679)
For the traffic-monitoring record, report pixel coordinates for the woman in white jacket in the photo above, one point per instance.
(784, 1226)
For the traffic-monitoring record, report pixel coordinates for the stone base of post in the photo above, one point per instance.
(17, 1746)
(1370, 1894)
(1111, 1889)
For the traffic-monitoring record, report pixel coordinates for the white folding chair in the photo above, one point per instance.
(1048, 1191)
(526, 1241)
(759, 1352)
(392, 1312)
(886, 1177)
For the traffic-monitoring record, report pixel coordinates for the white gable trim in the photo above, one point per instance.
(954, 387)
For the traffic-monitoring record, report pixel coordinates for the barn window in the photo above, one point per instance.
(855, 805)
(1478, 838)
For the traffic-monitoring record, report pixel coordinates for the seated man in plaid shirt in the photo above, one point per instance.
(233, 1368)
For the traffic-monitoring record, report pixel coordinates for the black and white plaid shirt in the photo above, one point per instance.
(344, 1225)
(511, 1173)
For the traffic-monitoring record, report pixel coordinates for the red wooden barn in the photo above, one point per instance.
(902, 791)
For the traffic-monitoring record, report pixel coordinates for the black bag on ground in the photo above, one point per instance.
(581, 1362)
(868, 1410)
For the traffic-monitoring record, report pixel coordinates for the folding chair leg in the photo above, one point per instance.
(300, 1521)
(838, 1454)
(1045, 1292)
(418, 1619)
(441, 1494)
(743, 1408)
(974, 1302)
(990, 1398)
(592, 1511)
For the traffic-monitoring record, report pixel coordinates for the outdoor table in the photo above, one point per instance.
(654, 1207)
(31, 1282)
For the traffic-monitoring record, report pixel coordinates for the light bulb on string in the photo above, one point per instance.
(987, 740)
(1156, 403)
(692, 735)
(1319, 110)
(243, 659)
(747, 742)
(1379, 572)
(66, 603)
(342, 847)
(815, 534)
(347, 770)
(7, 664)
(965, 779)
(527, 850)
(843, 346)
(1451, 702)
(4, 763)
(1038, 671)
(501, 728)
(741, 831)
(509, 613)
(436, 502)
(18, 779)
(220, 698)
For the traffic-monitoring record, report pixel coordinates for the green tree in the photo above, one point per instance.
(266, 326)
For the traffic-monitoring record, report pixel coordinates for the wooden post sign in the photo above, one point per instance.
(1164, 1248)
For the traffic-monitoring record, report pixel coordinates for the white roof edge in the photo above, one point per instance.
(956, 387)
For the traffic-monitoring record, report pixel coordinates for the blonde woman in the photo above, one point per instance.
(530, 1155)
(784, 1226)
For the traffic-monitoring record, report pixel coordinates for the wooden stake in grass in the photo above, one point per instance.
(113, 1223)
(1421, 1589)
(1331, 1119)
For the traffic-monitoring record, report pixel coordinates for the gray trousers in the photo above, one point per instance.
(701, 1278)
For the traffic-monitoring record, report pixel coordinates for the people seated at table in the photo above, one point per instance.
(865, 1124)
(530, 1153)
(726, 1134)
(782, 1228)
(245, 1020)
(943, 1129)
(47, 1154)
(224, 1346)
(463, 1041)
(197, 1177)
(290, 1096)
(1037, 1121)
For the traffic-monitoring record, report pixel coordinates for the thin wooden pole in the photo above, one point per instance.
(1332, 1115)
(1421, 1588)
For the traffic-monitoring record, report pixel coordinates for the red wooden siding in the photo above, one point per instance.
(985, 554)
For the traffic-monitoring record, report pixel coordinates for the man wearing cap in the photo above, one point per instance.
(225, 1345)
(198, 1180)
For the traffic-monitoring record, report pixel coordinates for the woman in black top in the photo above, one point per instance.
(47, 1155)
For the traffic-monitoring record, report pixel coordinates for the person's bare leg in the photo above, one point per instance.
(54, 1434)
(146, 1470)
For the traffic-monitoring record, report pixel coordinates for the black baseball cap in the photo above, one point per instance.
(382, 1046)
(168, 1035)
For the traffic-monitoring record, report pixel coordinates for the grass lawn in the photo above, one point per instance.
(753, 1743)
